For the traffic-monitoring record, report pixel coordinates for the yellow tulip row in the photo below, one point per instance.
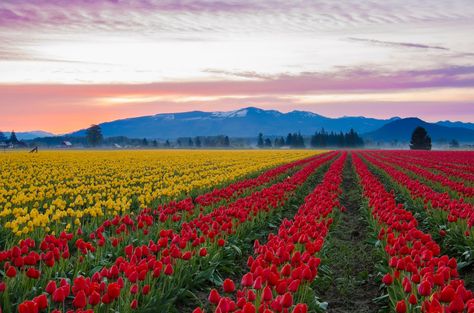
(55, 190)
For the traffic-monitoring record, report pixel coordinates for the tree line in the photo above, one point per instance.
(13, 140)
(320, 139)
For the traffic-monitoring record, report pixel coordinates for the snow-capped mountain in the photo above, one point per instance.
(246, 122)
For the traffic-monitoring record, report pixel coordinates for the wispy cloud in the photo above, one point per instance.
(398, 44)
(343, 81)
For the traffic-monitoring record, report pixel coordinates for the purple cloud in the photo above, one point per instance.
(398, 44)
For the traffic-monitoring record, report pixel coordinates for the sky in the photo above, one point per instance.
(66, 64)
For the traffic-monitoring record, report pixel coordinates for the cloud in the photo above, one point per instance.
(231, 15)
(239, 74)
(344, 80)
(398, 44)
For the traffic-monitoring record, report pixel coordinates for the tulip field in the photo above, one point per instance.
(237, 231)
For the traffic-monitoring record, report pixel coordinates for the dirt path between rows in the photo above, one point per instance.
(350, 282)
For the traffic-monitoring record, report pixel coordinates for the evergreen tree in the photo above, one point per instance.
(420, 139)
(155, 143)
(268, 143)
(289, 140)
(94, 135)
(190, 142)
(226, 141)
(454, 143)
(324, 139)
(3, 138)
(198, 142)
(13, 140)
(144, 142)
(279, 142)
(167, 143)
(260, 140)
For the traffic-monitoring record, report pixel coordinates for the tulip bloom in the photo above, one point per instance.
(228, 285)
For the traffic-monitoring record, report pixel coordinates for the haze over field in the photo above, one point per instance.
(68, 64)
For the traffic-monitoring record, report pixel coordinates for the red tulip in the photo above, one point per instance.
(267, 294)
(401, 306)
(134, 304)
(94, 298)
(33, 273)
(41, 301)
(247, 280)
(203, 252)
(214, 297)
(387, 279)
(51, 287)
(113, 290)
(59, 295)
(11, 272)
(287, 300)
(257, 284)
(447, 294)
(228, 285)
(28, 307)
(249, 308)
(168, 270)
(80, 300)
(424, 289)
(457, 305)
(300, 308)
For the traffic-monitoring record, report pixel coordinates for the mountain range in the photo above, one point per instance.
(248, 122)
(402, 129)
(29, 135)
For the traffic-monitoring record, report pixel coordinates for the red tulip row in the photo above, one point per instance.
(140, 271)
(459, 160)
(456, 209)
(418, 278)
(459, 187)
(432, 163)
(172, 214)
(286, 264)
(238, 188)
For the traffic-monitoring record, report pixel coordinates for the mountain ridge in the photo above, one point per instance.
(402, 129)
(244, 122)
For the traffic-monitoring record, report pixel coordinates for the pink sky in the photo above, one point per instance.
(68, 63)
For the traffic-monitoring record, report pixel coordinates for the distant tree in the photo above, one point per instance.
(167, 143)
(3, 138)
(13, 139)
(289, 140)
(324, 139)
(144, 142)
(420, 139)
(154, 143)
(226, 141)
(179, 143)
(454, 144)
(260, 140)
(94, 135)
(190, 142)
(198, 142)
(268, 143)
